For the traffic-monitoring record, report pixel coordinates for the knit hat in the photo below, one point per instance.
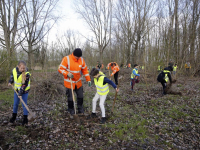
(77, 52)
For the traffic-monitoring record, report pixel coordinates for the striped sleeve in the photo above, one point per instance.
(84, 70)
(63, 67)
(108, 65)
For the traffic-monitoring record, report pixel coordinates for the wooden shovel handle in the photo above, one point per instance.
(73, 95)
(22, 100)
(115, 98)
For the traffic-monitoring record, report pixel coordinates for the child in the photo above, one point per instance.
(20, 77)
(101, 83)
(175, 67)
(164, 76)
(134, 76)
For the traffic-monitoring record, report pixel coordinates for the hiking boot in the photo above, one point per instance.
(93, 115)
(103, 120)
(71, 111)
(12, 120)
(25, 120)
(80, 110)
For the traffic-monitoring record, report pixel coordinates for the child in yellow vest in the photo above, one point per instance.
(101, 83)
(21, 79)
(134, 76)
(175, 67)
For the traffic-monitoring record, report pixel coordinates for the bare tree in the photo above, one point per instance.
(97, 16)
(39, 19)
(68, 42)
(133, 16)
(9, 22)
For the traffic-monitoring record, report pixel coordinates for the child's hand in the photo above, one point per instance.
(9, 84)
(117, 90)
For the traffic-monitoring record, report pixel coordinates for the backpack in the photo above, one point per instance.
(161, 77)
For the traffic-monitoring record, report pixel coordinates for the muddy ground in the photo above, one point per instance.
(142, 119)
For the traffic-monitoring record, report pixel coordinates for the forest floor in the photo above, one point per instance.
(142, 119)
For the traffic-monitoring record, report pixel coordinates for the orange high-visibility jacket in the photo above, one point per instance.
(71, 64)
(129, 65)
(109, 64)
(114, 68)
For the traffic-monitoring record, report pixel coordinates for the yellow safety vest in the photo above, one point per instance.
(159, 68)
(174, 68)
(132, 75)
(18, 81)
(166, 77)
(142, 67)
(101, 73)
(101, 89)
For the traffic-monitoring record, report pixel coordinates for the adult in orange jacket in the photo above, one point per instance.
(109, 64)
(115, 70)
(71, 67)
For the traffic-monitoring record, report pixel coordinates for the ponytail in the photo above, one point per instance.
(21, 62)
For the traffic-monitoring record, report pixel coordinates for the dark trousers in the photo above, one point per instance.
(116, 77)
(134, 80)
(164, 85)
(79, 93)
(187, 71)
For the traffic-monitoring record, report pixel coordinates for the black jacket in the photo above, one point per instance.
(161, 76)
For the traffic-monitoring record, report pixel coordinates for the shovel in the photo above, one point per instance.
(76, 118)
(115, 95)
(32, 115)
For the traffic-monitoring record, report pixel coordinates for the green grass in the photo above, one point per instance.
(6, 99)
(134, 128)
(21, 130)
(179, 85)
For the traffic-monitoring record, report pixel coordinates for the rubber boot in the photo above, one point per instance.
(25, 120)
(12, 120)
(103, 120)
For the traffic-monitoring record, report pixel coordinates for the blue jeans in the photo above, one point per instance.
(16, 103)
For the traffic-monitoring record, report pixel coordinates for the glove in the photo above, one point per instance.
(89, 83)
(70, 75)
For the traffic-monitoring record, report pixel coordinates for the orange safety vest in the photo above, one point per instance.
(114, 69)
(71, 64)
(129, 65)
(102, 66)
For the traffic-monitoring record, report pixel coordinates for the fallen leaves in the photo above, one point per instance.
(142, 119)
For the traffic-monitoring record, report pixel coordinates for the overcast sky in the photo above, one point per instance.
(71, 20)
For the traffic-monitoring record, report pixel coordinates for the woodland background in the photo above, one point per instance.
(147, 32)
